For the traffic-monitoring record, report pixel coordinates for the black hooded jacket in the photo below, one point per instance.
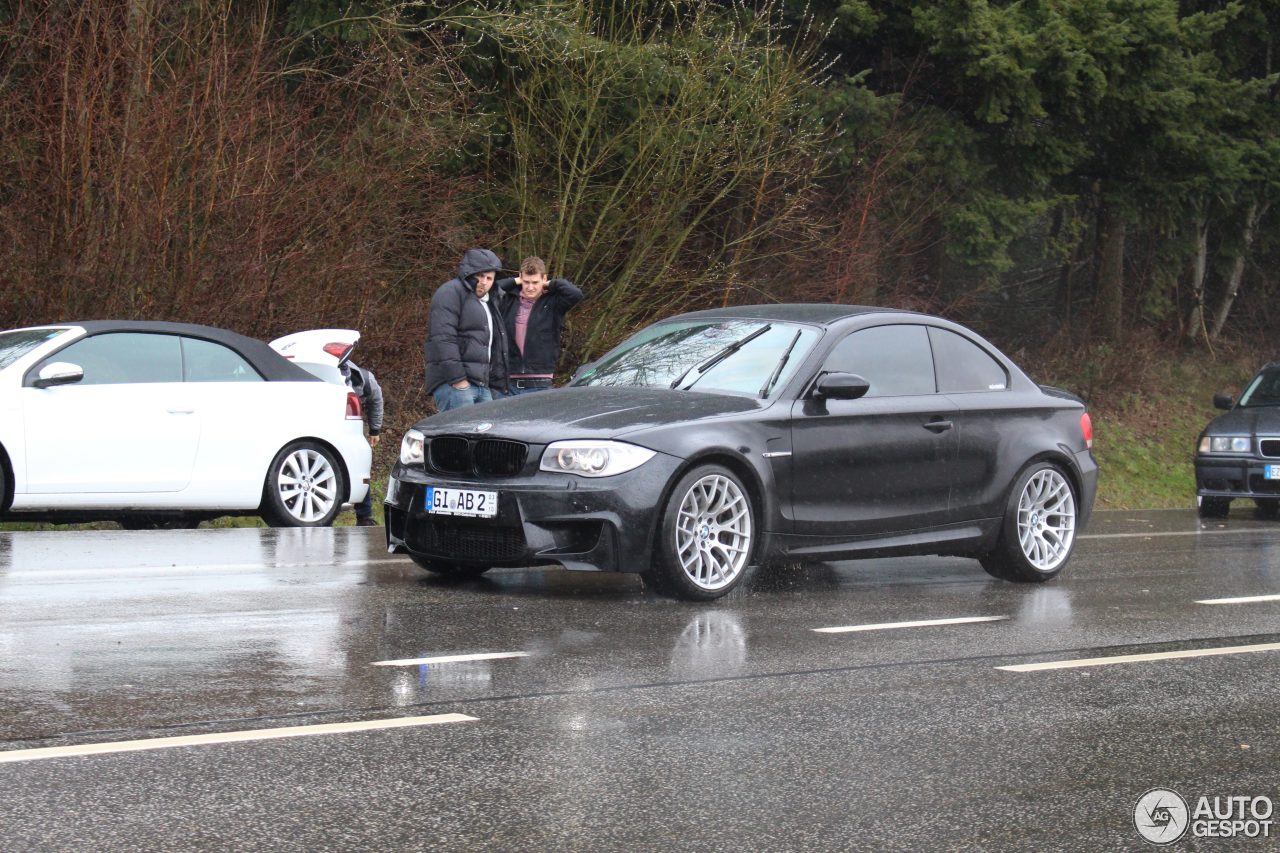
(457, 345)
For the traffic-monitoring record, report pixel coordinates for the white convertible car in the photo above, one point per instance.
(154, 424)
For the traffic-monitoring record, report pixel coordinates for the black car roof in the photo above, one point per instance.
(797, 312)
(265, 360)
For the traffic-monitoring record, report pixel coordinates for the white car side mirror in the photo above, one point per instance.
(59, 373)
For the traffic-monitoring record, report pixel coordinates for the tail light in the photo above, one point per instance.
(337, 350)
(1086, 429)
(353, 407)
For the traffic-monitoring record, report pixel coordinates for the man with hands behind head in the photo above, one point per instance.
(533, 314)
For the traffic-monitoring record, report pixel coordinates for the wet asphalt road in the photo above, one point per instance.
(627, 722)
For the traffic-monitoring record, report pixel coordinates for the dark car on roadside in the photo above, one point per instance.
(1238, 455)
(716, 440)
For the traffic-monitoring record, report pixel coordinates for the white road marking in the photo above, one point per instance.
(1248, 599)
(1187, 653)
(1153, 534)
(451, 658)
(226, 737)
(882, 626)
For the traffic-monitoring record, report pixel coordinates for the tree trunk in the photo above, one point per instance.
(1110, 280)
(1195, 324)
(1237, 270)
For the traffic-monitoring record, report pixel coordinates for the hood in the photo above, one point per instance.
(1264, 420)
(477, 260)
(596, 412)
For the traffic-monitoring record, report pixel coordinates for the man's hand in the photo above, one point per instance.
(374, 439)
(462, 386)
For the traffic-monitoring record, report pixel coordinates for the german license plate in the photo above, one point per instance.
(469, 502)
(1272, 472)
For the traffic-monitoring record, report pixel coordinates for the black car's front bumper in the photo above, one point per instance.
(589, 524)
(1235, 477)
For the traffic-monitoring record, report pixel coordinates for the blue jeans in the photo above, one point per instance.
(364, 509)
(447, 397)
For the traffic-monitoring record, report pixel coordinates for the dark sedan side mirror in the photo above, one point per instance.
(1223, 401)
(841, 386)
(58, 373)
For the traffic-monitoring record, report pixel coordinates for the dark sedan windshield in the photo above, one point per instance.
(14, 345)
(739, 356)
(1264, 390)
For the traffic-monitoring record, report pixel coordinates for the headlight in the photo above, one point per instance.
(411, 448)
(593, 458)
(1225, 444)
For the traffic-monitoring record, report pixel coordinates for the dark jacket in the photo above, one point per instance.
(546, 323)
(458, 335)
(365, 385)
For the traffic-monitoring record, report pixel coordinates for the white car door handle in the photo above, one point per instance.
(181, 411)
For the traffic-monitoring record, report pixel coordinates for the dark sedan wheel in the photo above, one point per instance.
(449, 570)
(1214, 507)
(1039, 527)
(707, 532)
(304, 487)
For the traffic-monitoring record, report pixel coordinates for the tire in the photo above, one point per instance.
(1268, 508)
(706, 536)
(452, 571)
(304, 487)
(1214, 507)
(1038, 532)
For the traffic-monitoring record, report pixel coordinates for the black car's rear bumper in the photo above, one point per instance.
(1235, 478)
(604, 524)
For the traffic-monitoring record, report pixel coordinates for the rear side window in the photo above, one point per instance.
(205, 361)
(896, 360)
(123, 357)
(963, 366)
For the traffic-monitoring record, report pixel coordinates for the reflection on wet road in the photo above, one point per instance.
(110, 636)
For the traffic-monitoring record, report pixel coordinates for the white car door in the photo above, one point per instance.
(129, 426)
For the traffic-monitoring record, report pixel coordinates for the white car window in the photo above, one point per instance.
(205, 361)
(123, 357)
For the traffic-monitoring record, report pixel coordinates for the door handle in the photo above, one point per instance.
(181, 411)
(938, 426)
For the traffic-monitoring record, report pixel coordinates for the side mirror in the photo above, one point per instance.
(841, 386)
(58, 373)
(1223, 401)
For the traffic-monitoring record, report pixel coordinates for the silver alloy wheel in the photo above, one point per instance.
(713, 532)
(1046, 519)
(308, 484)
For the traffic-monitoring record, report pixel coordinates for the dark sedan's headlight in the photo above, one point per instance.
(593, 458)
(1226, 444)
(411, 448)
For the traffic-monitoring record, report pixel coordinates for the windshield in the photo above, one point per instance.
(753, 357)
(14, 345)
(1264, 390)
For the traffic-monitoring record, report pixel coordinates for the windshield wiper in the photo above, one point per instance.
(703, 366)
(782, 362)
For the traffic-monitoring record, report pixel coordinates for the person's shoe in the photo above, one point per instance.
(366, 522)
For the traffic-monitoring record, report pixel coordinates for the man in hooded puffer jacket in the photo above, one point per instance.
(466, 338)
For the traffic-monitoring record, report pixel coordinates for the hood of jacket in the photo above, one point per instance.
(476, 261)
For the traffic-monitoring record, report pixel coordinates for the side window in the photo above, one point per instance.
(964, 366)
(205, 361)
(123, 357)
(896, 360)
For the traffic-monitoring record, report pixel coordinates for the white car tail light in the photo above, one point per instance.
(354, 413)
